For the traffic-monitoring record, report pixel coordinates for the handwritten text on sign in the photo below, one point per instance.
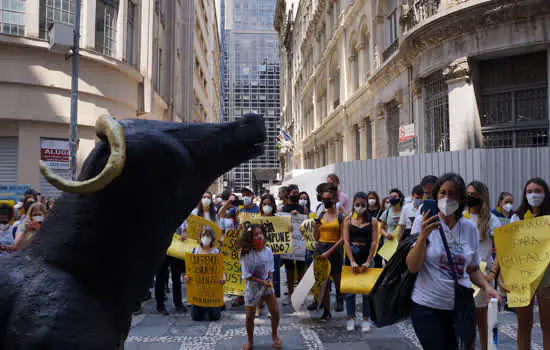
(234, 284)
(195, 224)
(277, 235)
(523, 250)
(298, 242)
(308, 229)
(321, 271)
(205, 272)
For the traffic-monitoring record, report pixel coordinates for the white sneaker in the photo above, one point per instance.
(351, 325)
(365, 326)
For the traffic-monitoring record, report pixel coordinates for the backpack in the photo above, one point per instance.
(390, 298)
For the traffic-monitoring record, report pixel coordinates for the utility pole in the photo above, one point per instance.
(73, 133)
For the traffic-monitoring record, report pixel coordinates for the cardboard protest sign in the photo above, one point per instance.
(390, 246)
(178, 248)
(277, 235)
(195, 224)
(308, 228)
(482, 267)
(523, 251)
(205, 272)
(234, 284)
(360, 283)
(244, 217)
(321, 271)
(298, 242)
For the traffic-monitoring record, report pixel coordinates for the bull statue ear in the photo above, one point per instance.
(105, 126)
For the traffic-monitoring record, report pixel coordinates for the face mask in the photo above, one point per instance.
(535, 199)
(447, 206)
(394, 201)
(205, 241)
(267, 209)
(302, 202)
(328, 203)
(508, 207)
(388, 205)
(258, 243)
(4, 227)
(219, 200)
(417, 202)
(206, 202)
(473, 202)
(294, 199)
(38, 218)
(372, 202)
(359, 209)
(247, 200)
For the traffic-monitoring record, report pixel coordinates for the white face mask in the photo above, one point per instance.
(219, 200)
(302, 202)
(247, 200)
(535, 199)
(508, 207)
(4, 227)
(206, 202)
(205, 241)
(447, 206)
(372, 202)
(359, 209)
(388, 205)
(38, 218)
(267, 209)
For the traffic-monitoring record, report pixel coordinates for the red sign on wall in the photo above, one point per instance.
(55, 153)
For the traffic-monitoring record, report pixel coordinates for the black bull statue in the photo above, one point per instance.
(77, 282)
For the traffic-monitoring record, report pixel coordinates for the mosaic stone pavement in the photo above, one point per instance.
(298, 331)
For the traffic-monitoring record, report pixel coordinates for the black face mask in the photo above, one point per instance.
(472, 201)
(294, 199)
(328, 203)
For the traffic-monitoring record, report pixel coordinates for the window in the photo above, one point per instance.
(436, 111)
(130, 32)
(391, 23)
(159, 72)
(369, 138)
(514, 101)
(393, 129)
(12, 17)
(55, 11)
(105, 27)
(357, 143)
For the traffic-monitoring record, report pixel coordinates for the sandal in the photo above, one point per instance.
(278, 343)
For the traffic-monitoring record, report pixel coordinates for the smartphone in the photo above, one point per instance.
(431, 205)
(237, 203)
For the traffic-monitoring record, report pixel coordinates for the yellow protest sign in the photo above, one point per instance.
(390, 246)
(195, 224)
(482, 267)
(244, 217)
(308, 228)
(234, 284)
(205, 272)
(277, 234)
(321, 271)
(523, 251)
(360, 283)
(178, 248)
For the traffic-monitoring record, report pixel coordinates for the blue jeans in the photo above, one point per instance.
(277, 275)
(434, 328)
(199, 313)
(350, 305)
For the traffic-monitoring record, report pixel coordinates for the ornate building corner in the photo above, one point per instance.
(458, 70)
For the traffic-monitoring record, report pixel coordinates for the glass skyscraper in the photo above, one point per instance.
(251, 83)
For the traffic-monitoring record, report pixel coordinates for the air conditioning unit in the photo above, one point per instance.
(60, 37)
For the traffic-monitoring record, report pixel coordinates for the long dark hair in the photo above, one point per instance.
(271, 199)
(247, 236)
(483, 222)
(524, 206)
(501, 197)
(400, 194)
(460, 189)
(361, 195)
(375, 194)
(308, 205)
(212, 209)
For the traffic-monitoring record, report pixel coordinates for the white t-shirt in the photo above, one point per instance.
(258, 264)
(408, 214)
(486, 245)
(434, 285)
(197, 250)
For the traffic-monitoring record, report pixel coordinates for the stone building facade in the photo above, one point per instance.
(384, 78)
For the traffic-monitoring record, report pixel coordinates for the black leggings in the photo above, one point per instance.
(433, 327)
(177, 268)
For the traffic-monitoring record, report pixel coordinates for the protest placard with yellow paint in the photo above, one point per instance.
(523, 252)
(390, 246)
(360, 283)
(244, 217)
(234, 284)
(195, 224)
(178, 248)
(277, 233)
(482, 267)
(308, 228)
(205, 271)
(321, 271)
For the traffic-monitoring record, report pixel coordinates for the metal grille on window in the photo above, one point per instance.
(130, 33)
(393, 129)
(12, 17)
(55, 11)
(369, 139)
(514, 101)
(106, 18)
(436, 111)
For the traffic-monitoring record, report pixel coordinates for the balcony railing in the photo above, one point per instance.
(390, 50)
(418, 11)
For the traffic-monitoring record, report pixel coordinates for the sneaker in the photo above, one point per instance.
(312, 306)
(181, 309)
(339, 304)
(326, 316)
(365, 326)
(350, 326)
(162, 310)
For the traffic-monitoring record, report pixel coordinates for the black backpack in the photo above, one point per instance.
(390, 298)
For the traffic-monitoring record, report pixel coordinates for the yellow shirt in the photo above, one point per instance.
(329, 232)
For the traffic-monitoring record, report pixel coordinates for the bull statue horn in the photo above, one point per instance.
(108, 126)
